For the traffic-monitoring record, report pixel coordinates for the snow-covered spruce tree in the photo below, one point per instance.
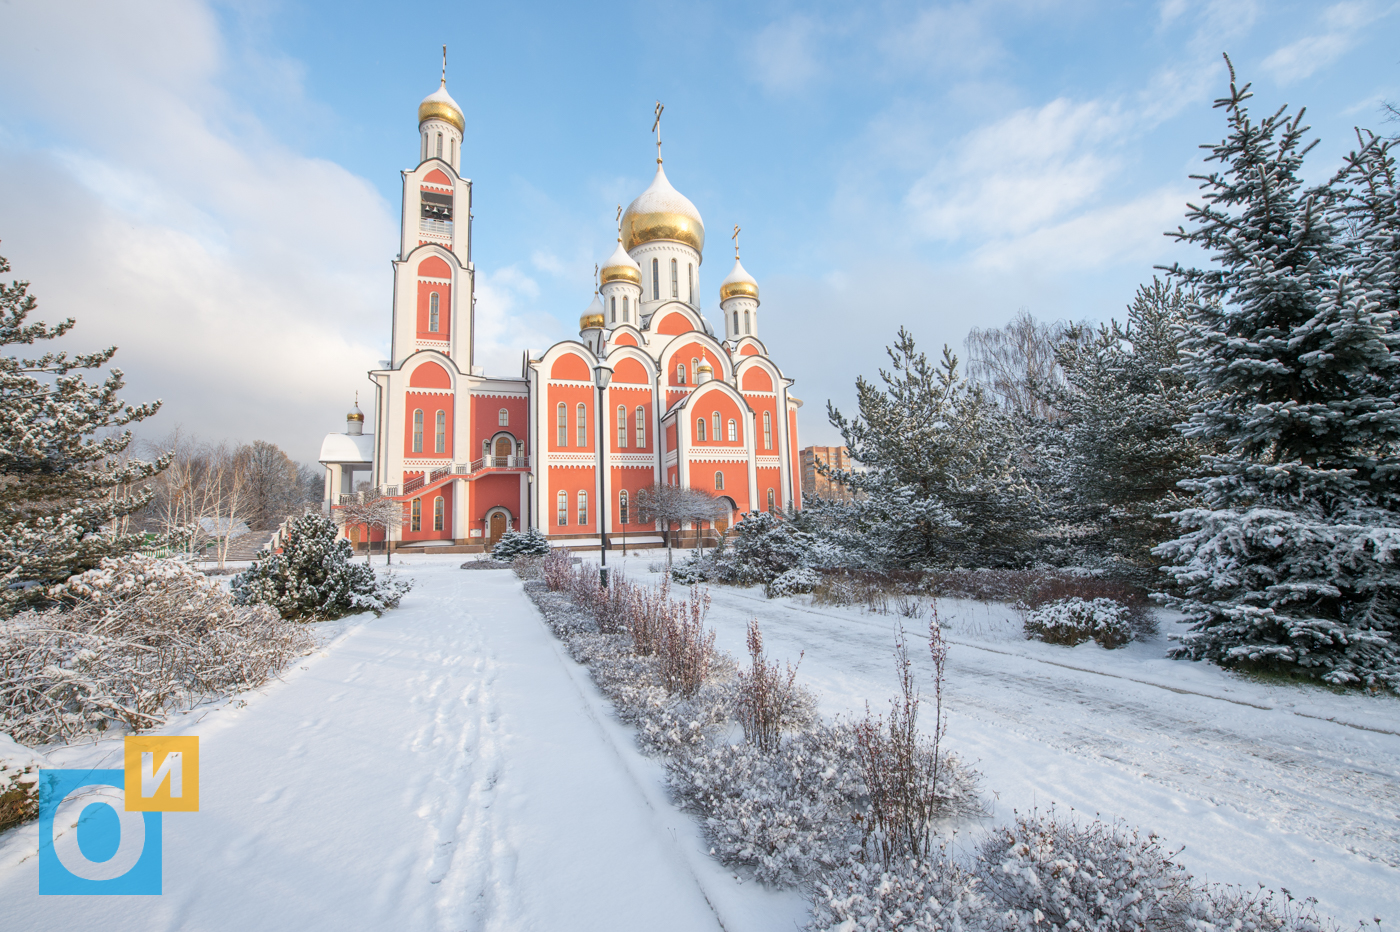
(763, 547)
(1289, 564)
(64, 481)
(1121, 453)
(529, 543)
(314, 577)
(940, 483)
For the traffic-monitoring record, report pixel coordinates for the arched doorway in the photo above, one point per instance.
(504, 448)
(497, 523)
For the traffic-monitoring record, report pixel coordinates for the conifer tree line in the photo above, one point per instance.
(1232, 444)
(75, 486)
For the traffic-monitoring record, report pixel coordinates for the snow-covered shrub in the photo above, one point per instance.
(794, 581)
(934, 894)
(693, 571)
(528, 567)
(138, 639)
(910, 779)
(1074, 621)
(687, 646)
(314, 577)
(762, 548)
(513, 543)
(786, 814)
(769, 701)
(19, 782)
(558, 569)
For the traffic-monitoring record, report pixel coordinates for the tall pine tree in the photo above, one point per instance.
(1290, 562)
(63, 480)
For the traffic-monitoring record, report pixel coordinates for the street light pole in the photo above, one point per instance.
(602, 375)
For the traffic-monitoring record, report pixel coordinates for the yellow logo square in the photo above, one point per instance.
(162, 774)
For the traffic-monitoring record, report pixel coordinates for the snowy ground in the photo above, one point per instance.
(443, 767)
(1289, 786)
(447, 767)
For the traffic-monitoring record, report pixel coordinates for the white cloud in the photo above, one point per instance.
(945, 38)
(783, 55)
(1341, 29)
(1017, 174)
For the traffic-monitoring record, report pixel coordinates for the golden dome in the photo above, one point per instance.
(662, 213)
(593, 317)
(739, 283)
(620, 267)
(440, 105)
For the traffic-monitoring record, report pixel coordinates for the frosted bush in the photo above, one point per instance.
(1075, 620)
(19, 782)
(515, 543)
(786, 815)
(768, 699)
(794, 581)
(313, 577)
(139, 638)
(930, 895)
(693, 571)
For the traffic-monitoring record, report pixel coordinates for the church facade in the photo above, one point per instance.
(471, 455)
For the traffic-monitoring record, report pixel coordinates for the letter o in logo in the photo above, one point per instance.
(65, 842)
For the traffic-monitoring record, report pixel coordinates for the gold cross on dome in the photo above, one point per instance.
(656, 128)
(735, 238)
(618, 218)
(595, 278)
(444, 66)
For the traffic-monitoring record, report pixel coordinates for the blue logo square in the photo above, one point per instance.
(99, 847)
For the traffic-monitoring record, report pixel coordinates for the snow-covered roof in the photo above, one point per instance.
(347, 448)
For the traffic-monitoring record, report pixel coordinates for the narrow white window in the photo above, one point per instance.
(641, 426)
(439, 145)
(582, 418)
(655, 280)
(440, 432)
(699, 428)
(770, 500)
(717, 433)
(736, 323)
(415, 521)
(719, 481)
(418, 430)
(675, 283)
(562, 438)
(503, 418)
(563, 506)
(625, 318)
(690, 267)
(437, 513)
(680, 373)
(622, 504)
(622, 426)
(733, 430)
(767, 431)
(582, 507)
(433, 312)
(747, 328)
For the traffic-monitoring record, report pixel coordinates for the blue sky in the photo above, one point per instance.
(215, 187)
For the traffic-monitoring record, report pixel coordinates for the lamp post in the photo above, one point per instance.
(602, 375)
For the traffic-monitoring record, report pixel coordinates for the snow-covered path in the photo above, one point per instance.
(1290, 786)
(444, 767)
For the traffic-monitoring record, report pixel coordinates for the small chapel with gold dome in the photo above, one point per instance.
(651, 392)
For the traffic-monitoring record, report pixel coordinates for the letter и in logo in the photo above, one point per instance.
(165, 773)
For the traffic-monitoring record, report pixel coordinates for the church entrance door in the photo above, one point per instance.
(498, 527)
(503, 451)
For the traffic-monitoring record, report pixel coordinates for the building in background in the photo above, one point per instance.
(816, 485)
(471, 455)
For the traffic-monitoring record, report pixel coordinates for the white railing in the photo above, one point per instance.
(435, 227)
(501, 462)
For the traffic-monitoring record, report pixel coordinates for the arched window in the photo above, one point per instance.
(680, 373)
(503, 418)
(747, 329)
(582, 417)
(452, 151)
(690, 273)
(626, 318)
(770, 500)
(437, 513)
(719, 481)
(736, 323)
(641, 426)
(699, 428)
(695, 367)
(622, 426)
(433, 312)
(562, 433)
(563, 505)
(767, 430)
(439, 145)
(440, 432)
(418, 430)
(622, 503)
(675, 283)
(415, 515)
(425, 145)
(582, 507)
(655, 280)
(614, 310)
(733, 430)
(717, 433)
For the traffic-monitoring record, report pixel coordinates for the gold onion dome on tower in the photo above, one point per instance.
(620, 267)
(738, 283)
(593, 317)
(662, 213)
(440, 105)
